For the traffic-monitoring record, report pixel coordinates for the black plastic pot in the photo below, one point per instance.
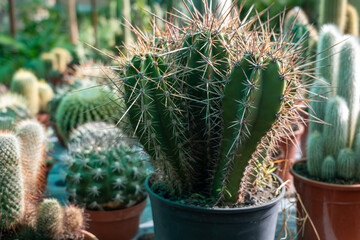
(173, 221)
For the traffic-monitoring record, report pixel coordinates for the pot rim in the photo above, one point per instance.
(333, 186)
(128, 212)
(268, 204)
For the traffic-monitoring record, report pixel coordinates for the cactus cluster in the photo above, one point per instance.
(209, 101)
(332, 146)
(85, 105)
(23, 214)
(38, 94)
(104, 169)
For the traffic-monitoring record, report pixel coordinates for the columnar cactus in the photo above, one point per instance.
(33, 139)
(333, 11)
(86, 105)
(208, 105)
(296, 16)
(339, 135)
(45, 95)
(26, 84)
(104, 170)
(12, 193)
(49, 220)
(352, 20)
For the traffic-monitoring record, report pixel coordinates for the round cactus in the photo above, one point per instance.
(26, 84)
(45, 94)
(87, 105)
(73, 222)
(11, 182)
(49, 220)
(104, 170)
(13, 108)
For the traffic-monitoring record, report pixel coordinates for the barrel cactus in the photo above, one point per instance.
(336, 102)
(104, 169)
(85, 105)
(208, 103)
(25, 83)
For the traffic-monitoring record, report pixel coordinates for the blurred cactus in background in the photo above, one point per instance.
(105, 169)
(332, 146)
(46, 94)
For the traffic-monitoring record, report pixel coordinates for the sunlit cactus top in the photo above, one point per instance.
(208, 98)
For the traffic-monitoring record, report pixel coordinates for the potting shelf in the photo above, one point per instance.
(56, 189)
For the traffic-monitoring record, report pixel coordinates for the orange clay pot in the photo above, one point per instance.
(120, 224)
(334, 209)
(288, 147)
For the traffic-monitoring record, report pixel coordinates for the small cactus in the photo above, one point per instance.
(73, 222)
(26, 84)
(315, 153)
(352, 20)
(49, 220)
(12, 193)
(104, 170)
(45, 95)
(346, 164)
(328, 168)
(13, 108)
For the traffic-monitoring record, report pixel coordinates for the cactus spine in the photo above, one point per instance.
(333, 11)
(11, 182)
(26, 84)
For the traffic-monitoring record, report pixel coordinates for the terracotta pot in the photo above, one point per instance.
(288, 147)
(120, 224)
(333, 208)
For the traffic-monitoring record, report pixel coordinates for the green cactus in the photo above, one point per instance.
(352, 20)
(346, 164)
(85, 105)
(208, 106)
(13, 108)
(349, 81)
(11, 182)
(104, 170)
(25, 83)
(32, 137)
(319, 94)
(296, 16)
(49, 220)
(336, 129)
(327, 54)
(328, 168)
(333, 11)
(315, 153)
(45, 95)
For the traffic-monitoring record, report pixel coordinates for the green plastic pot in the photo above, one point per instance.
(176, 221)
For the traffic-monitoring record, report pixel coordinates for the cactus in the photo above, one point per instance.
(86, 105)
(32, 136)
(104, 170)
(49, 220)
(328, 54)
(13, 108)
(209, 104)
(328, 168)
(45, 95)
(349, 81)
(296, 16)
(11, 182)
(340, 112)
(352, 20)
(346, 164)
(26, 84)
(315, 153)
(333, 11)
(74, 222)
(337, 116)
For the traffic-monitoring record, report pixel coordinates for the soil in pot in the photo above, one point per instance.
(333, 208)
(185, 219)
(120, 224)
